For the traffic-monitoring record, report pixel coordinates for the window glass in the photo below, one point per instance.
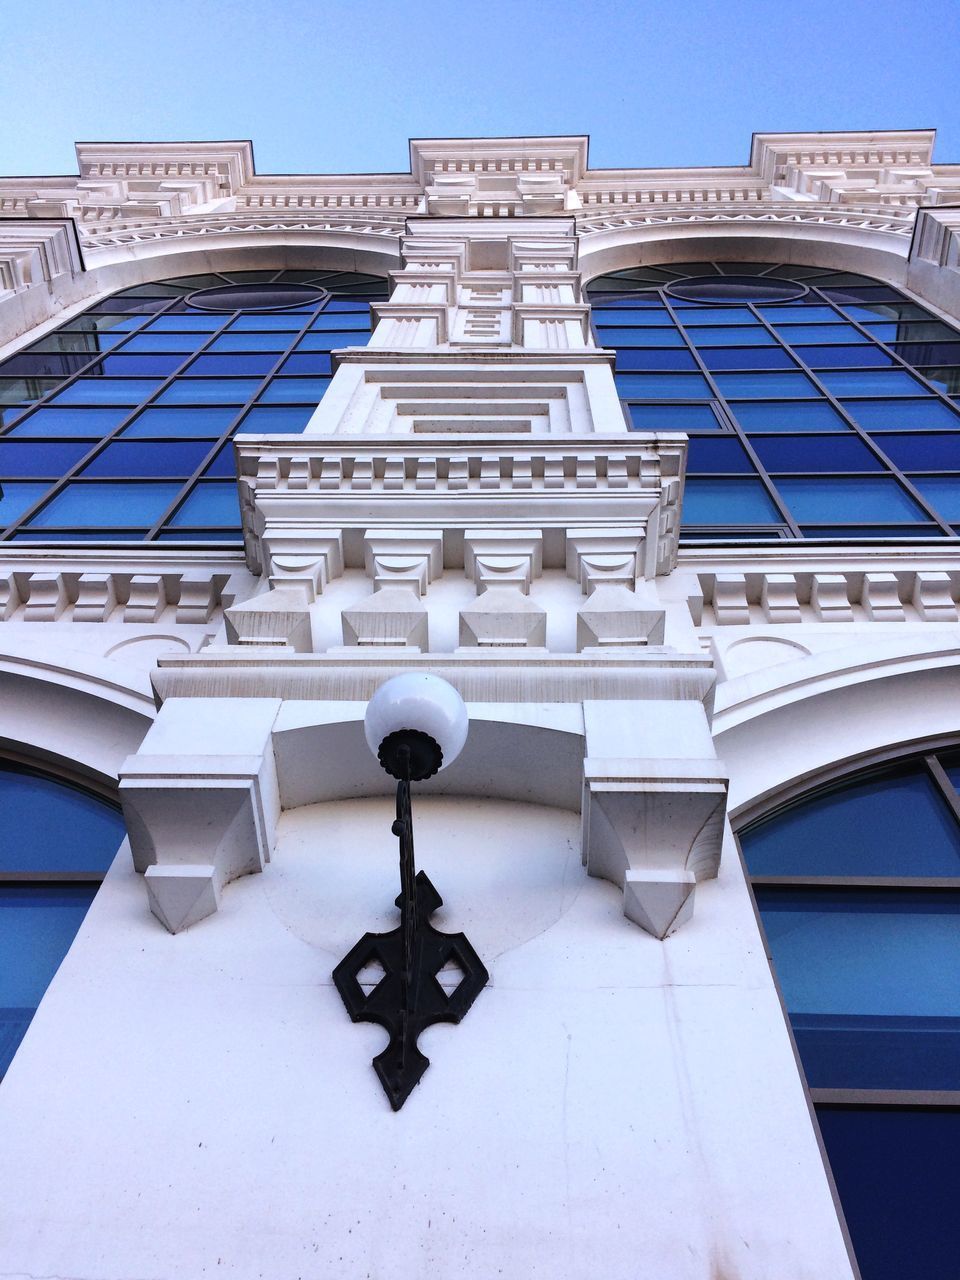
(786, 415)
(634, 337)
(943, 492)
(719, 358)
(819, 453)
(654, 358)
(880, 382)
(856, 499)
(149, 365)
(673, 417)
(666, 386)
(718, 501)
(214, 504)
(712, 455)
(903, 415)
(764, 385)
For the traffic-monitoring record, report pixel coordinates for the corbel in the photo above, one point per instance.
(46, 597)
(9, 596)
(730, 606)
(403, 557)
(96, 597)
(881, 597)
(829, 597)
(146, 599)
(393, 616)
(199, 596)
(620, 610)
(279, 617)
(778, 597)
(303, 559)
(933, 597)
(502, 558)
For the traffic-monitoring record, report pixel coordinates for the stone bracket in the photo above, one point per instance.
(403, 557)
(502, 558)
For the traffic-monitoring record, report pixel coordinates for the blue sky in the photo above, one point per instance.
(314, 83)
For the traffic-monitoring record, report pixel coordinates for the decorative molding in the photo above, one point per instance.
(103, 595)
(36, 252)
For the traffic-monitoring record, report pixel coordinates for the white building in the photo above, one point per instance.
(564, 365)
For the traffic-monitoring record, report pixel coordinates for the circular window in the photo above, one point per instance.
(735, 289)
(255, 297)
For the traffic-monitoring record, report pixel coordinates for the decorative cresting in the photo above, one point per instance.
(416, 725)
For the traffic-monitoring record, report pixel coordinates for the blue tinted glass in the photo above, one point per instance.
(37, 925)
(786, 416)
(857, 500)
(880, 952)
(90, 423)
(899, 1184)
(856, 829)
(943, 492)
(876, 1051)
(728, 502)
(854, 357)
(184, 322)
(313, 362)
(632, 316)
(819, 334)
(123, 365)
(673, 417)
(17, 497)
(749, 335)
(279, 418)
(39, 459)
(639, 337)
(171, 458)
(764, 385)
(107, 391)
(96, 505)
(815, 453)
(209, 421)
(329, 341)
(655, 358)
(225, 366)
(52, 365)
(269, 322)
(879, 382)
(663, 386)
(915, 530)
(867, 313)
(164, 342)
(223, 465)
(714, 315)
(210, 391)
(929, 353)
(208, 504)
(805, 313)
(294, 391)
(711, 455)
(250, 342)
(923, 453)
(50, 826)
(946, 380)
(747, 358)
(905, 415)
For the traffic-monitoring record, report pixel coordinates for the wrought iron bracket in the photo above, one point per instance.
(409, 997)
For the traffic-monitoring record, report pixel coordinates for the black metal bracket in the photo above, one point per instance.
(409, 998)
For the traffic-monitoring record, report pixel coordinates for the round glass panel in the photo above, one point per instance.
(255, 297)
(735, 289)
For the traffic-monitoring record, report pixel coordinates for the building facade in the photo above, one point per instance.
(661, 470)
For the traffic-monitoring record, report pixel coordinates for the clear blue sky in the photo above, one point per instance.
(314, 82)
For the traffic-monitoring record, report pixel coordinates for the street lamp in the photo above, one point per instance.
(416, 725)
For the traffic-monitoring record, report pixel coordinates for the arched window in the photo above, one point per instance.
(117, 426)
(858, 888)
(820, 404)
(56, 843)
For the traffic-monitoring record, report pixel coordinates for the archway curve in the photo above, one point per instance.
(881, 254)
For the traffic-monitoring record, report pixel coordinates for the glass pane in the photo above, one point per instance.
(52, 460)
(125, 366)
(857, 829)
(253, 364)
(706, 456)
(752, 335)
(637, 338)
(786, 415)
(714, 315)
(853, 357)
(144, 342)
(250, 342)
(673, 417)
(653, 358)
(929, 353)
(899, 1184)
(853, 531)
(728, 502)
(107, 391)
(89, 423)
(903, 415)
(312, 362)
(94, 505)
(181, 422)
(37, 926)
(335, 320)
(887, 311)
(764, 385)
(269, 418)
(747, 358)
(943, 492)
(18, 497)
(51, 826)
(665, 386)
(804, 313)
(267, 322)
(294, 391)
(185, 322)
(614, 315)
(210, 391)
(880, 382)
(208, 504)
(171, 458)
(223, 466)
(922, 452)
(815, 453)
(859, 501)
(946, 380)
(329, 341)
(819, 334)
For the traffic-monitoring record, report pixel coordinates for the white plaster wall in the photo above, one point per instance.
(611, 1106)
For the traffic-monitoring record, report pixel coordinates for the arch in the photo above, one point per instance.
(835, 243)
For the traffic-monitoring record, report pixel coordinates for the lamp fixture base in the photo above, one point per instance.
(410, 755)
